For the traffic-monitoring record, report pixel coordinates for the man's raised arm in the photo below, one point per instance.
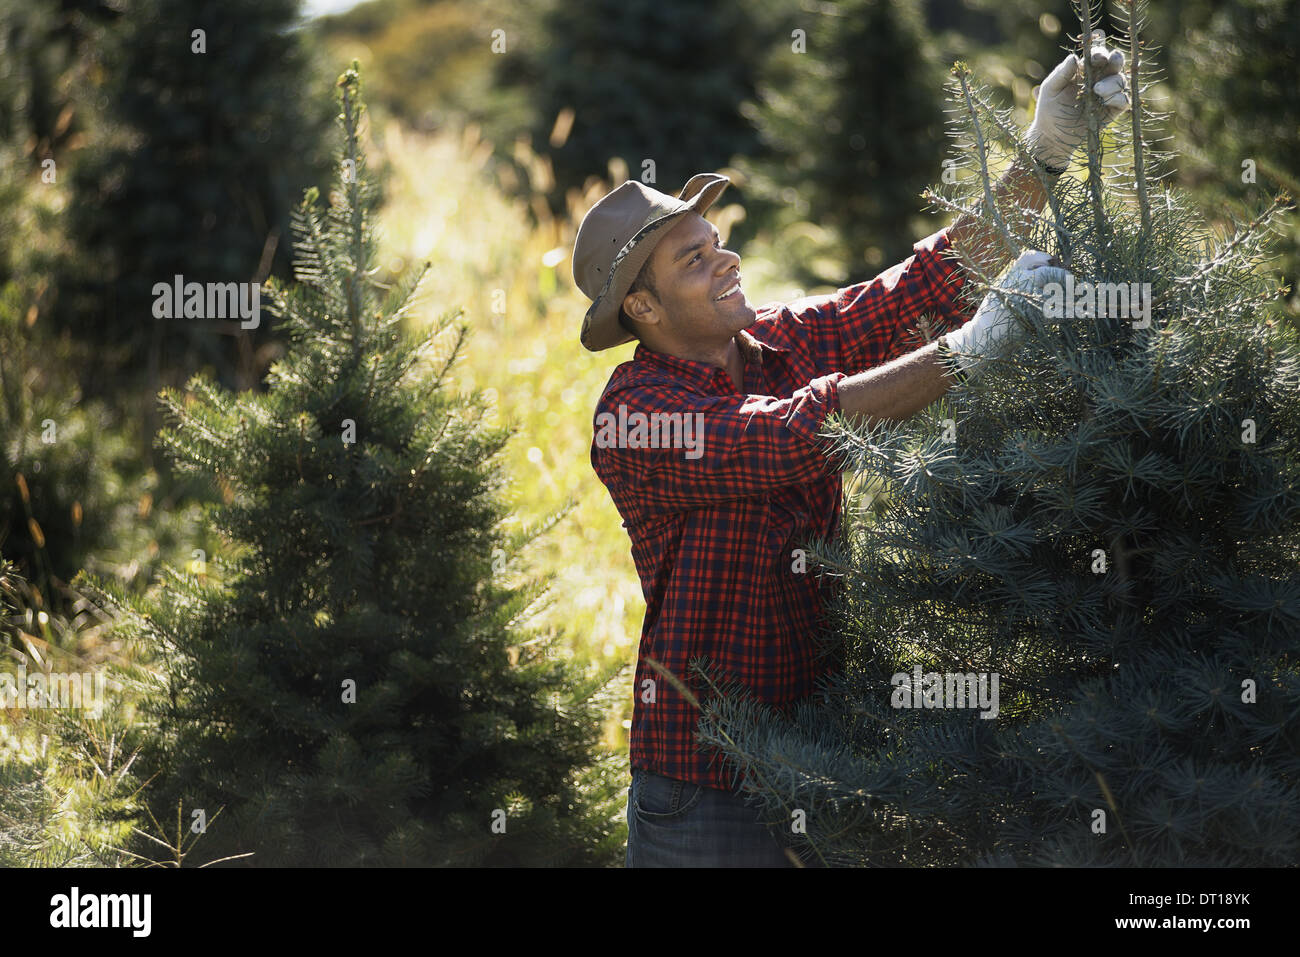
(979, 242)
(1060, 124)
(898, 389)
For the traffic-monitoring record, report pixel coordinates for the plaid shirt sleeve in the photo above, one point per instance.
(878, 320)
(741, 445)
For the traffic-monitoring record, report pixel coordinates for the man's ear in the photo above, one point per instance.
(639, 305)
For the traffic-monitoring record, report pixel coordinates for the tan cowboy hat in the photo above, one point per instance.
(616, 238)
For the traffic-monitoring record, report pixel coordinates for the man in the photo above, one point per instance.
(707, 441)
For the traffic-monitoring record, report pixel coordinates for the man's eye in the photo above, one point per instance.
(718, 245)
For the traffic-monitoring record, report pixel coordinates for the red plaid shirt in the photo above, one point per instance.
(714, 521)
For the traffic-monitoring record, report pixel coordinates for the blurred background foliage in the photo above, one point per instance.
(128, 158)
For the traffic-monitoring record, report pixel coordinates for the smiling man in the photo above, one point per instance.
(714, 528)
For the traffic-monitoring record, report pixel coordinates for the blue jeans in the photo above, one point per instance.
(673, 823)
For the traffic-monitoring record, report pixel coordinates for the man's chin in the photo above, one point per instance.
(745, 316)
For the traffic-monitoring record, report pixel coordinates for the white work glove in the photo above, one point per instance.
(995, 329)
(1060, 122)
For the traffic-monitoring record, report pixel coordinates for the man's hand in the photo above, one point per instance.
(994, 328)
(1060, 122)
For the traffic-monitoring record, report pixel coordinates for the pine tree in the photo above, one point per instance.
(73, 491)
(643, 80)
(48, 53)
(846, 111)
(195, 159)
(1235, 105)
(1108, 519)
(353, 682)
(68, 797)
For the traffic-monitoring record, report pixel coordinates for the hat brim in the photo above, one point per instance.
(600, 326)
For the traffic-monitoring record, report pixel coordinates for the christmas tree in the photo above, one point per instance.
(1071, 637)
(194, 163)
(826, 130)
(672, 85)
(74, 493)
(1235, 108)
(353, 682)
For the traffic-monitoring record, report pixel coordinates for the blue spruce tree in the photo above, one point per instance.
(1107, 521)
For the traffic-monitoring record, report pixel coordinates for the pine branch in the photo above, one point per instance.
(1026, 157)
(1089, 39)
(694, 702)
(349, 82)
(1282, 201)
(962, 71)
(1136, 20)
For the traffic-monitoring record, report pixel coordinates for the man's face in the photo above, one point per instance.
(691, 270)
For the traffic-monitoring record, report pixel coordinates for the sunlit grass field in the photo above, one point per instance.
(523, 354)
